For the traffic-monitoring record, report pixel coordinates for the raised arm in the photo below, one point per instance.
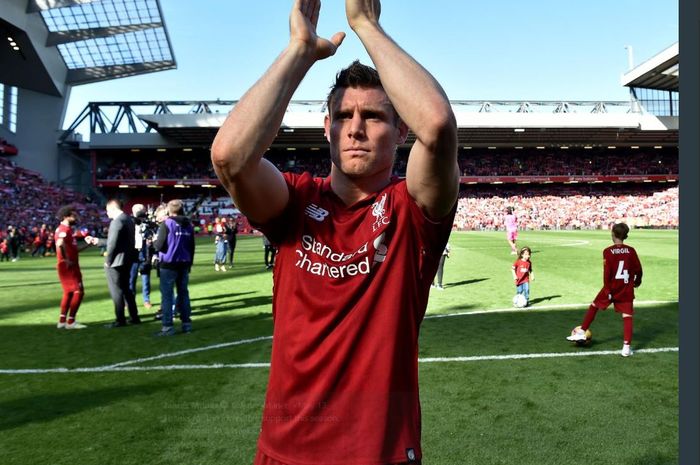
(432, 174)
(256, 186)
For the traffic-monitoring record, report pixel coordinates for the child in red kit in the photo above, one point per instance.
(522, 274)
(622, 272)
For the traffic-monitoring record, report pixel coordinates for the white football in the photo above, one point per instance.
(519, 301)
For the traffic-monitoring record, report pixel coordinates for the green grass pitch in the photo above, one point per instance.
(498, 385)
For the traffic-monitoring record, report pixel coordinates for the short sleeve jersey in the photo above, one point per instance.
(351, 286)
(511, 223)
(522, 269)
(621, 270)
(70, 244)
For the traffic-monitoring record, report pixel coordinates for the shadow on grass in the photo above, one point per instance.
(457, 308)
(102, 292)
(232, 305)
(543, 299)
(221, 296)
(18, 269)
(40, 283)
(48, 407)
(96, 346)
(465, 282)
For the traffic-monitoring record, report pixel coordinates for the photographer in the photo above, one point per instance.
(145, 232)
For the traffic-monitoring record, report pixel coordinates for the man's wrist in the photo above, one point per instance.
(301, 50)
(362, 28)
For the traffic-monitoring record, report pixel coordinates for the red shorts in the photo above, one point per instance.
(71, 278)
(262, 459)
(512, 235)
(602, 302)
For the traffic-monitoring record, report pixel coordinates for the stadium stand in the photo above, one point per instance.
(27, 201)
(565, 207)
(477, 163)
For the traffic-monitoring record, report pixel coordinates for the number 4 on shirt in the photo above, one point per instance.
(622, 273)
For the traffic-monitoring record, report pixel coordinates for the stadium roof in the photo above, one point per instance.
(659, 72)
(106, 39)
(96, 40)
(480, 124)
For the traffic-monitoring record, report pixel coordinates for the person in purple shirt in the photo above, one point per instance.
(175, 247)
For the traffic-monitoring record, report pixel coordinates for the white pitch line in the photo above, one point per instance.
(479, 358)
(218, 366)
(189, 351)
(642, 303)
(113, 369)
(264, 338)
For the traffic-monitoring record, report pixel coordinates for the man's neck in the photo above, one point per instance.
(351, 190)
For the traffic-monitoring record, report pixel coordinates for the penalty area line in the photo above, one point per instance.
(219, 366)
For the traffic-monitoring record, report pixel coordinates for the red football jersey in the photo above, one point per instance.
(621, 271)
(522, 270)
(70, 244)
(351, 286)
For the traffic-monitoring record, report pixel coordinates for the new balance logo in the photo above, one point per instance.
(315, 212)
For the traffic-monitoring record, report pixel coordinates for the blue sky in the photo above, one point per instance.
(478, 50)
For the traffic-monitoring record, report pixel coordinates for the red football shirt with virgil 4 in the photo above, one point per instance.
(622, 270)
(351, 286)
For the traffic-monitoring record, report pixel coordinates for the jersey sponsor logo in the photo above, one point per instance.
(379, 213)
(315, 212)
(320, 259)
(314, 256)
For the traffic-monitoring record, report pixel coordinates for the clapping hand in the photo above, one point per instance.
(302, 26)
(361, 12)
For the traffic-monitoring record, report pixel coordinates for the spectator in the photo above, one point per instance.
(270, 252)
(175, 247)
(231, 230)
(441, 268)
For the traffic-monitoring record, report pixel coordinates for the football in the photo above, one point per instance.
(519, 301)
(585, 342)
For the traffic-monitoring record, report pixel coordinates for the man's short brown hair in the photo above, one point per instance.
(355, 75)
(175, 207)
(116, 202)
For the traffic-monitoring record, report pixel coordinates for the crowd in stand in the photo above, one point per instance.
(567, 207)
(28, 203)
(28, 206)
(561, 162)
(528, 162)
(180, 167)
